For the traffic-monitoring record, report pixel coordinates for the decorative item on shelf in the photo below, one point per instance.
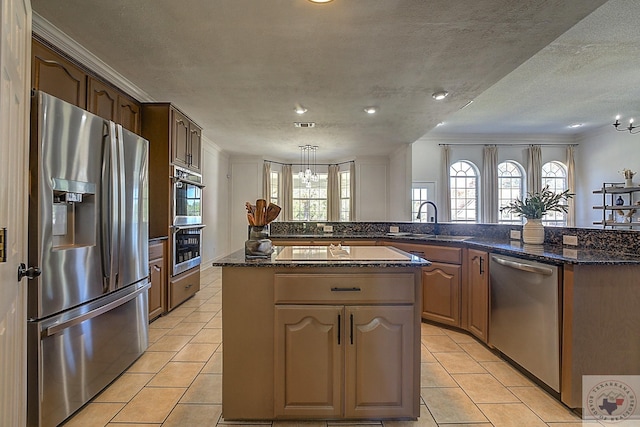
(619, 201)
(628, 177)
(259, 216)
(534, 207)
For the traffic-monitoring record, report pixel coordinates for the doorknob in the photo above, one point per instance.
(29, 273)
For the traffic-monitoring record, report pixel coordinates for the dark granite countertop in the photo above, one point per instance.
(238, 259)
(557, 254)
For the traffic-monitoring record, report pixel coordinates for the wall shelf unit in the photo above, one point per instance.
(620, 206)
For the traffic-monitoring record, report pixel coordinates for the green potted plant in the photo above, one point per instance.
(534, 207)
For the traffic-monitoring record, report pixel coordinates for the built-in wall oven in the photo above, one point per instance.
(187, 220)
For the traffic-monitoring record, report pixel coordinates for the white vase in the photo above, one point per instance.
(533, 232)
(628, 182)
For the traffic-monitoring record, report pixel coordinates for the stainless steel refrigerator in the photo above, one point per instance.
(88, 234)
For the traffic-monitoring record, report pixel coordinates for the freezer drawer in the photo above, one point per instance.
(75, 355)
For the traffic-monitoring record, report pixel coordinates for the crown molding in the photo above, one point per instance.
(50, 33)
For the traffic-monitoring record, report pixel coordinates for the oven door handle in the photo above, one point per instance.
(197, 184)
(177, 228)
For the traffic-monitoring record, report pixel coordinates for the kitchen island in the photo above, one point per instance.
(322, 333)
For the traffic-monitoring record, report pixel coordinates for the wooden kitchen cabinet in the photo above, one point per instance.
(54, 74)
(187, 141)
(378, 363)
(441, 281)
(111, 104)
(329, 354)
(478, 293)
(102, 100)
(129, 114)
(441, 293)
(288, 351)
(309, 351)
(370, 345)
(158, 278)
(183, 286)
(57, 76)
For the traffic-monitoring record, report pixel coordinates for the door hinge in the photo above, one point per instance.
(3, 245)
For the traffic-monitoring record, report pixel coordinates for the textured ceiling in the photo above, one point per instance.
(586, 76)
(239, 67)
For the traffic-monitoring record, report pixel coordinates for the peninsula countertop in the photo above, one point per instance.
(552, 253)
(326, 256)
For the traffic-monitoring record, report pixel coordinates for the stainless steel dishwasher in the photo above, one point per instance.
(524, 322)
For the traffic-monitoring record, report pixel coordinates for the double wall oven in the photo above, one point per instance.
(187, 220)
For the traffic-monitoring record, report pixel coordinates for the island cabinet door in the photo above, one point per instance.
(309, 343)
(380, 376)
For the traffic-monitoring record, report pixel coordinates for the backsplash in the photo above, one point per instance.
(619, 241)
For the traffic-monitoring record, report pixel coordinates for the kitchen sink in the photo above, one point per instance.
(450, 238)
(431, 236)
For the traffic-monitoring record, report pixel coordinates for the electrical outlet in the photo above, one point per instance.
(327, 228)
(393, 229)
(570, 240)
(514, 234)
(569, 253)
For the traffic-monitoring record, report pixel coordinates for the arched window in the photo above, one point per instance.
(510, 186)
(464, 191)
(554, 175)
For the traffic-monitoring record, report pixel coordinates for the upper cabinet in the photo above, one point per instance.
(186, 144)
(111, 104)
(103, 100)
(54, 74)
(172, 140)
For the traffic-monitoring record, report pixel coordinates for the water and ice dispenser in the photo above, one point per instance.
(73, 219)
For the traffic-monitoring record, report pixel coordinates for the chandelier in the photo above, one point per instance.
(307, 161)
(629, 128)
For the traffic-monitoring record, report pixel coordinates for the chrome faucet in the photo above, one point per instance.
(436, 227)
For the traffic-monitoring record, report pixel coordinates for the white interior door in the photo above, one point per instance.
(15, 71)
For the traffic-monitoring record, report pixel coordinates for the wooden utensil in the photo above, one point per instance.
(273, 211)
(260, 215)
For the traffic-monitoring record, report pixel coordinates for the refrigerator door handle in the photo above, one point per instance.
(106, 211)
(117, 169)
(52, 330)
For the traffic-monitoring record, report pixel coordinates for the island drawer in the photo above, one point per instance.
(345, 288)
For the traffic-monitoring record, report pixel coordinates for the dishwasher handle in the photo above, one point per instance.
(546, 271)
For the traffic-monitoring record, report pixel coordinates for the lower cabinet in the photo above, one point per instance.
(441, 285)
(158, 278)
(478, 291)
(183, 286)
(359, 355)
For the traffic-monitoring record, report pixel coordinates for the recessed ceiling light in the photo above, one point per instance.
(438, 96)
(576, 125)
(320, 1)
(300, 109)
(370, 110)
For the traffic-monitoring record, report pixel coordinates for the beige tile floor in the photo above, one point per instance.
(178, 381)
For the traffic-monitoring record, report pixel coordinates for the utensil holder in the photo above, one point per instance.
(258, 245)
